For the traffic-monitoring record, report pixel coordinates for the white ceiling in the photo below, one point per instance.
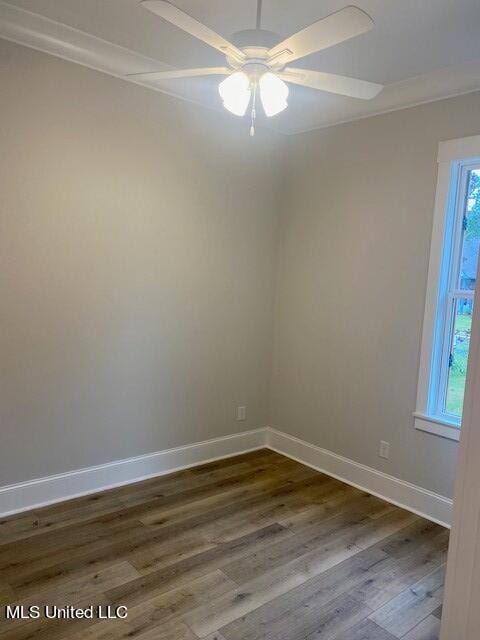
(420, 49)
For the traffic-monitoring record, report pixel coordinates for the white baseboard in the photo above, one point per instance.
(40, 492)
(425, 503)
(73, 484)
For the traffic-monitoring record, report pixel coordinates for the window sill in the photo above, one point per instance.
(437, 426)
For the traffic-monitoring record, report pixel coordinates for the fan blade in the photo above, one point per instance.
(335, 28)
(196, 29)
(332, 83)
(180, 73)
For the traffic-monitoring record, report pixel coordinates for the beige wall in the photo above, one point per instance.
(137, 245)
(351, 287)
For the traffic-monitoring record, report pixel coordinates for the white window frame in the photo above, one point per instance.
(455, 158)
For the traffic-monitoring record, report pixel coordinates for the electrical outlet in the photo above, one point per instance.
(241, 414)
(384, 450)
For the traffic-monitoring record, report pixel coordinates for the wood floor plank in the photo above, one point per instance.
(172, 631)
(158, 555)
(121, 630)
(326, 623)
(74, 591)
(340, 615)
(420, 532)
(438, 612)
(281, 579)
(253, 547)
(49, 549)
(312, 595)
(7, 594)
(165, 579)
(340, 499)
(428, 629)
(99, 546)
(233, 507)
(366, 568)
(411, 606)
(155, 613)
(58, 516)
(404, 572)
(90, 556)
(231, 496)
(366, 630)
(295, 546)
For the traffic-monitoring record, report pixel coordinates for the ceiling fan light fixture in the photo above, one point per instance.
(235, 92)
(273, 93)
(259, 61)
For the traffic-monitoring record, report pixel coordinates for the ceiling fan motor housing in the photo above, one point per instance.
(256, 38)
(255, 44)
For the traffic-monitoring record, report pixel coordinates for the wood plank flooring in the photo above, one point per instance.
(256, 547)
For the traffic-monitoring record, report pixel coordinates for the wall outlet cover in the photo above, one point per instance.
(241, 414)
(384, 450)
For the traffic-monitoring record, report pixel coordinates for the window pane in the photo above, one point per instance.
(459, 356)
(471, 235)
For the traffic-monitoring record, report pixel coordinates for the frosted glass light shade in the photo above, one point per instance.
(236, 93)
(273, 93)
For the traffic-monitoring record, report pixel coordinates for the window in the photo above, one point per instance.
(452, 277)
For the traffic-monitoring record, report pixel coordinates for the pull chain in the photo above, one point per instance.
(254, 101)
(254, 111)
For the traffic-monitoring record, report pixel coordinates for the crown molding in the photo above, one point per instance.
(57, 39)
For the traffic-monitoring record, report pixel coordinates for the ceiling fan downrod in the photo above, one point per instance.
(259, 14)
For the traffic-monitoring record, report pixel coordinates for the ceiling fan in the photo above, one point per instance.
(257, 61)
